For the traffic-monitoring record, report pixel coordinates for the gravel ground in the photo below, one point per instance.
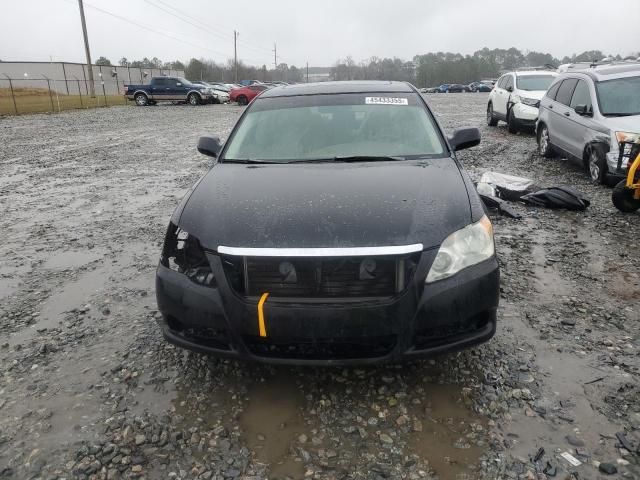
(88, 388)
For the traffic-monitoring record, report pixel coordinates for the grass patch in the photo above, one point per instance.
(34, 100)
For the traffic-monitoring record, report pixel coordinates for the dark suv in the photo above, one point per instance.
(337, 226)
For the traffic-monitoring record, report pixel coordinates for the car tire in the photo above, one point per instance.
(545, 149)
(492, 121)
(193, 99)
(597, 164)
(242, 100)
(623, 199)
(141, 99)
(512, 123)
(446, 91)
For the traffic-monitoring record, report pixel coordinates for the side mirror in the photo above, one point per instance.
(209, 145)
(509, 88)
(464, 138)
(582, 110)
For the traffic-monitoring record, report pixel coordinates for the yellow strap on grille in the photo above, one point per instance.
(261, 325)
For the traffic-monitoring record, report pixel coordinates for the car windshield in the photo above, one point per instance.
(323, 127)
(185, 82)
(620, 96)
(534, 82)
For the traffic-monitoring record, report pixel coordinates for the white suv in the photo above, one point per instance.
(516, 96)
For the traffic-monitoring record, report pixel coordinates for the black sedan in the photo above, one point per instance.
(336, 226)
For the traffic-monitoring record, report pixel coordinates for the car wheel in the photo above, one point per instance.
(597, 164)
(193, 99)
(242, 100)
(623, 198)
(141, 99)
(492, 121)
(512, 123)
(545, 148)
(446, 91)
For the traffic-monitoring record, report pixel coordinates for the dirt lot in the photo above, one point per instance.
(88, 388)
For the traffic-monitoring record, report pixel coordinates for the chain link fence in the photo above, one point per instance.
(29, 87)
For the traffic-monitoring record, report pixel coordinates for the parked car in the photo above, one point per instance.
(479, 87)
(168, 89)
(246, 83)
(587, 113)
(245, 94)
(443, 88)
(274, 256)
(515, 98)
(218, 94)
(456, 88)
(429, 90)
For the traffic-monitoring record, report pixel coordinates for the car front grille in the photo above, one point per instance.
(340, 277)
(354, 348)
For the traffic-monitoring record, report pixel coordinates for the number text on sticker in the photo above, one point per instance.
(385, 101)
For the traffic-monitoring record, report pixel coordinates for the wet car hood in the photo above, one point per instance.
(328, 204)
(624, 124)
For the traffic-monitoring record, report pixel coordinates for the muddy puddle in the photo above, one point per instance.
(73, 295)
(448, 439)
(278, 415)
(271, 421)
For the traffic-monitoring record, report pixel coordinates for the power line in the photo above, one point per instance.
(144, 27)
(180, 15)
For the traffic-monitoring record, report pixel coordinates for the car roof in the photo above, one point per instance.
(607, 72)
(535, 72)
(325, 88)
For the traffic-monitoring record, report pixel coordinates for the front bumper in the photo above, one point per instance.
(526, 115)
(612, 164)
(424, 320)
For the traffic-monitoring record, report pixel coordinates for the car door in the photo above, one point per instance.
(577, 125)
(159, 88)
(177, 90)
(559, 118)
(502, 95)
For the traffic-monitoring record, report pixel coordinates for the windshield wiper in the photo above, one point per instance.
(245, 160)
(353, 158)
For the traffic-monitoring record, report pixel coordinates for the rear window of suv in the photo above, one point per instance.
(619, 97)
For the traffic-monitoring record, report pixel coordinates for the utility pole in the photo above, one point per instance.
(86, 49)
(235, 53)
(307, 72)
(275, 57)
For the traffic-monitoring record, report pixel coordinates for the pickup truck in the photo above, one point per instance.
(168, 89)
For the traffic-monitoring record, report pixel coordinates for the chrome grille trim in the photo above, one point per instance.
(321, 252)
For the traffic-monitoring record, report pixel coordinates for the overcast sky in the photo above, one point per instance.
(319, 31)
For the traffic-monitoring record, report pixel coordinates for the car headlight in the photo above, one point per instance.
(628, 137)
(532, 102)
(468, 246)
(183, 253)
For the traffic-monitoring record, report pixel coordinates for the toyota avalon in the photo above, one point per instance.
(335, 227)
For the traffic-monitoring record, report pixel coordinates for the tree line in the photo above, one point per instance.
(436, 68)
(429, 69)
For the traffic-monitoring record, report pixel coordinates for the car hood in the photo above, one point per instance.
(624, 124)
(328, 204)
(536, 94)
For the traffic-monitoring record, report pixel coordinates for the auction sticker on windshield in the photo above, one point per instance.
(385, 101)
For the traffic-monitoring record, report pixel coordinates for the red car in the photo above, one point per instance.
(245, 94)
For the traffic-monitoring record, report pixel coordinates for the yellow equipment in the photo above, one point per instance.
(626, 194)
